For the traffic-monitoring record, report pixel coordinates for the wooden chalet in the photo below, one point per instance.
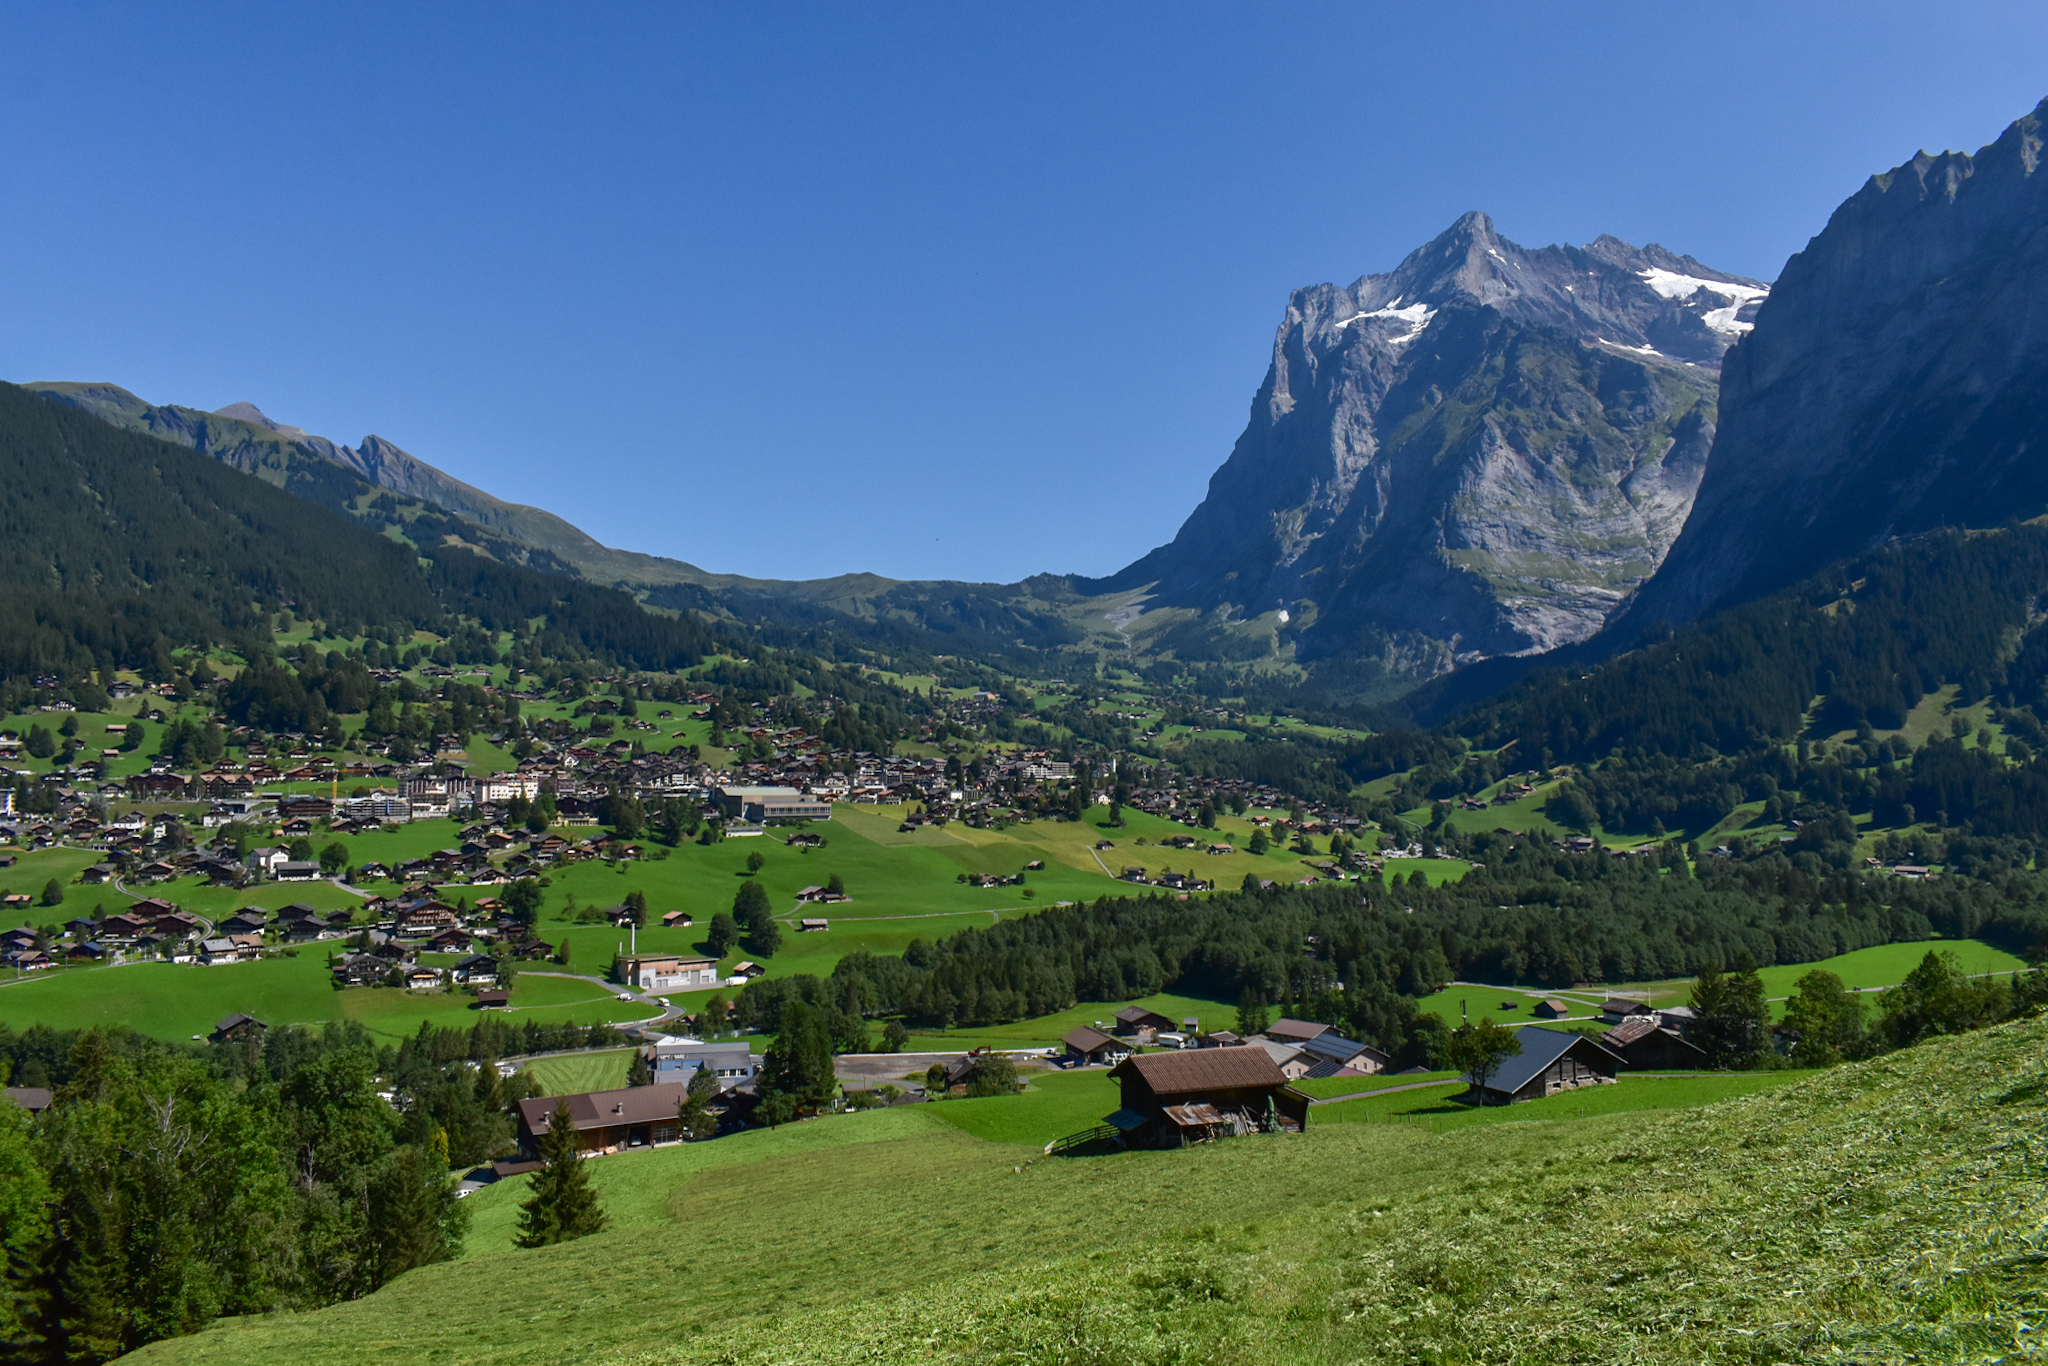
(1172, 1099)
(1088, 1046)
(1643, 1044)
(1141, 1025)
(1296, 1032)
(607, 1121)
(237, 1027)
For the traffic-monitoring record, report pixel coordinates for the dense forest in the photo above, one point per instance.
(1353, 953)
(117, 548)
(173, 1184)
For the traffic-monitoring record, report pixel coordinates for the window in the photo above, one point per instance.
(664, 1133)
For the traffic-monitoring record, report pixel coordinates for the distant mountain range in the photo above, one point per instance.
(1490, 451)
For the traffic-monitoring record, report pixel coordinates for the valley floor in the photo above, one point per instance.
(1892, 1210)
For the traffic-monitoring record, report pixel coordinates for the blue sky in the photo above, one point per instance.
(968, 291)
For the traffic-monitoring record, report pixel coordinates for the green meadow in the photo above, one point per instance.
(1839, 1216)
(903, 886)
(1882, 965)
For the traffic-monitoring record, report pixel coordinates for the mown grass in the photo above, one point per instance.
(1887, 1211)
(1438, 1110)
(576, 1073)
(1882, 965)
(1047, 1030)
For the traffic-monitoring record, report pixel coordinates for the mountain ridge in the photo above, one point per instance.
(1889, 385)
(1480, 452)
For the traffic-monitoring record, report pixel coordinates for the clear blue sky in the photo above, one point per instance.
(965, 290)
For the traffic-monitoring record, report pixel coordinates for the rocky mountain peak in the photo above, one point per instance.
(1892, 383)
(1479, 452)
(249, 412)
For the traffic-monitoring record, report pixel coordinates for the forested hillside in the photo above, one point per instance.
(117, 547)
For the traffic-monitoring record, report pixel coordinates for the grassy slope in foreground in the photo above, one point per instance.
(1884, 1211)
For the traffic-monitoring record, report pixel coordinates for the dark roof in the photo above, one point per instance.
(1540, 1048)
(236, 1020)
(1294, 1031)
(1202, 1069)
(1617, 1005)
(1140, 1015)
(1087, 1039)
(602, 1109)
(34, 1099)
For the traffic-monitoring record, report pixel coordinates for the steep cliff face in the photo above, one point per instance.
(1897, 380)
(1480, 453)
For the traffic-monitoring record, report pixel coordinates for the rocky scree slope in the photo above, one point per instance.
(1896, 381)
(1479, 453)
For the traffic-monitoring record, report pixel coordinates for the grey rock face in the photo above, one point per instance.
(1482, 452)
(1897, 380)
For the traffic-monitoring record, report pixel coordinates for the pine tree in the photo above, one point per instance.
(562, 1205)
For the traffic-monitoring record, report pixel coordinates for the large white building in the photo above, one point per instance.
(773, 803)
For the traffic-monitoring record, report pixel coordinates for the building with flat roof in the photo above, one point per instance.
(773, 803)
(665, 972)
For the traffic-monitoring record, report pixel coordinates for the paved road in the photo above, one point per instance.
(668, 1012)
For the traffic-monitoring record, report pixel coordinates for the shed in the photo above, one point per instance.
(1552, 1009)
(1170, 1099)
(1550, 1061)
(34, 1099)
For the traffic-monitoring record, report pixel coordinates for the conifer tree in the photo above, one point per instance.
(562, 1205)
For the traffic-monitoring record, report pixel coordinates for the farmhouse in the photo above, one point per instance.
(1294, 1031)
(1293, 1062)
(237, 1027)
(1093, 1047)
(1332, 1055)
(1550, 1061)
(1171, 1099)
(606, 1121)
(1141, 1025)
(1643, 1043)
(812, 925)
